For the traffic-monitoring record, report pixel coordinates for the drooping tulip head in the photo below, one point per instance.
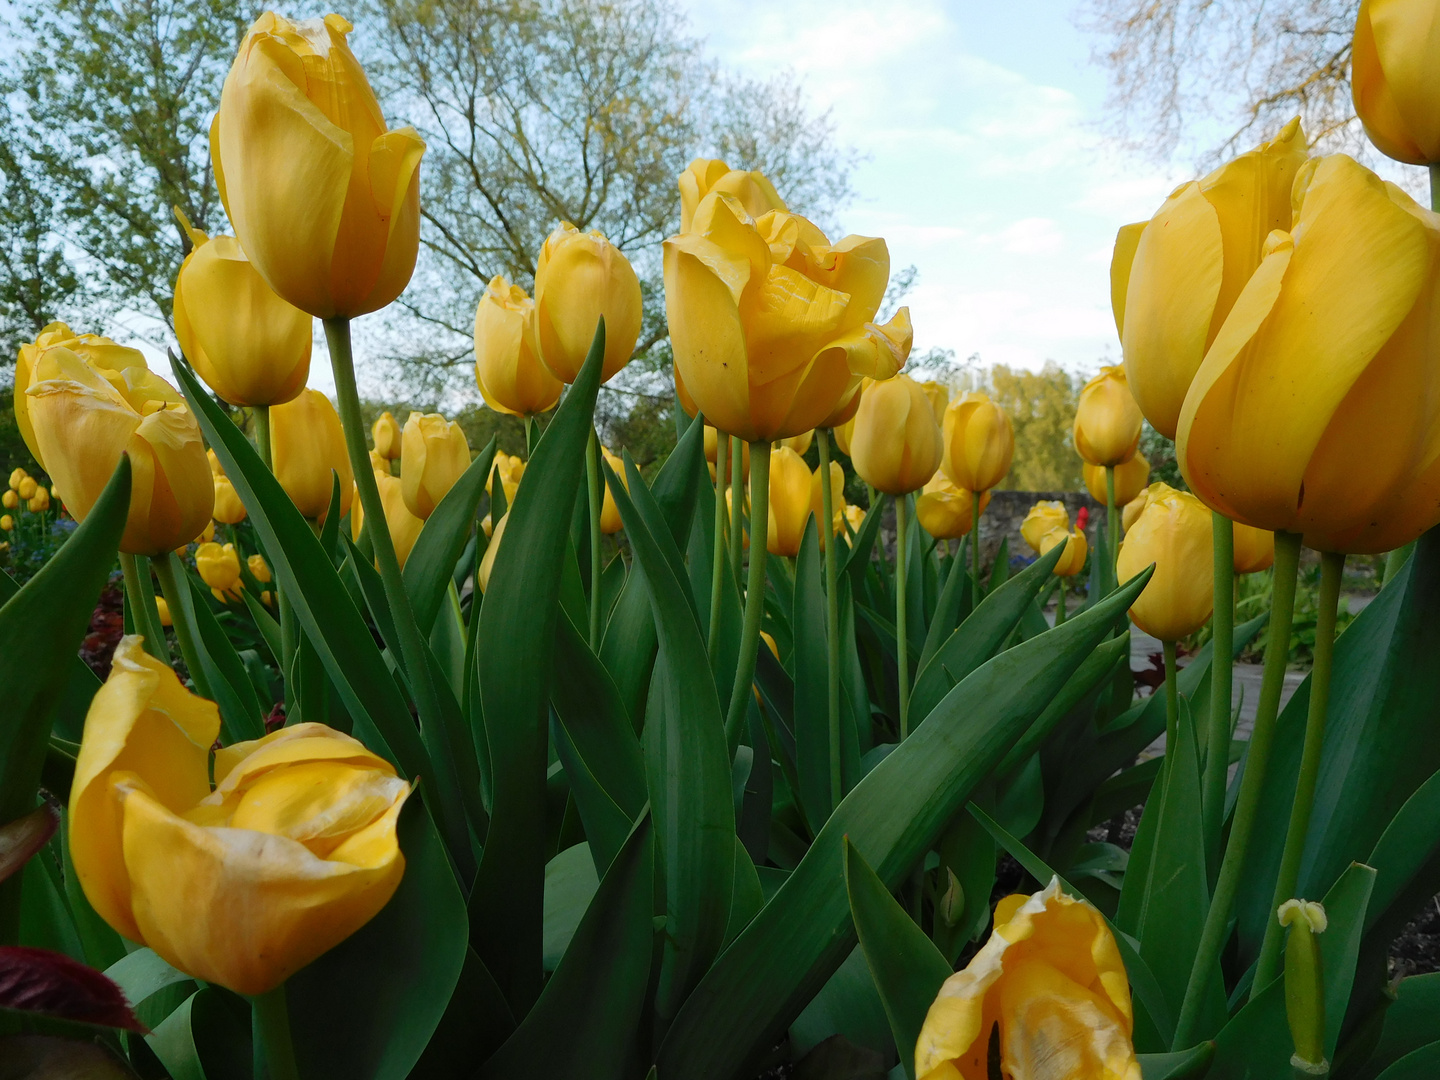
(581, 277)
(1131, 478)
(750, 188)
(1393, 78)
(979, 442)
(1173, 532)
(896, 445)
(1107, 420)
(307, 444)
(789, 502)
(945, 511)
(508, 370)
(436, 455)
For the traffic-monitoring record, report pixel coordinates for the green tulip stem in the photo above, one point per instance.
(1060, 604)
(262, 435)
(1395, 560)
(1252, 783)
(1172, 698)
(737, 503)
(274, 1054)
(592, 478)
(832, 614)
(902, 645)
(1222, 672)
(180, 612)
(1112, 526)
(754, 592)
(143, 609)
(447, 807)
(975, 546)
(1332, 569)
(717, 561)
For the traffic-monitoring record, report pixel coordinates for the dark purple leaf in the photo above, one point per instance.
(23, 837)
(52, 984)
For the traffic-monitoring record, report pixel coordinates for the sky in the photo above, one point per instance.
(983, 163)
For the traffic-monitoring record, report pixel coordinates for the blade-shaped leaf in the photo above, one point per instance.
(438, 547)
(225, 671)
(812, 689)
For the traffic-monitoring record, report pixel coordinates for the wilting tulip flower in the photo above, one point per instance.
(487, 562)
(1317, 408)
(219, 567)
(82, 424)
(324, 199)
(1392, 78)
(436, 455)
(509, 469)
(386, 433)
(229, 510)
(1254, 549)
(789, 502)
(946, 511)
(609, 512)
(258, 568)
(1072, 560)
(712, 442)
(293, 851)
(250, 346)
(1191, 261)
(979, 443)
(39, 502)
(404, 526)
(1173, 532)
(1131, 478)
(771, 324)
(1051, 977)
(306, 445)
(1107, 420)
(580, 277)
(1043, 518)
(751, 189)
(837, 499)
(26, 490)
(896, 445)
(508, 370)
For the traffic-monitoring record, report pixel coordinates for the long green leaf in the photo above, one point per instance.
(440, 543)
(812, 691)
(235, 694)
(1182, 1066)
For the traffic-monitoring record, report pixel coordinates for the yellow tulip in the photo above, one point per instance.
(712, 442)
(10, 500)
(216, 469)
(1192, 259)
(753, 191)
(939, 397)
(1051, 977)
(250, 346)
(379, 463)
(771, 324)
(844, 431)
(16, 476)
(1072, 559)
(789, 502)
(1107, 420)
(307, 444)
(979, 442)
(509, 469)
(842, 421)
(1131, 478)
(404, 526)
(580, 277)
(686, 401)
(293, 851)
(436, 455)
(258, 568)
(82, 424)
(1254, 549)
(1122, 260)
(855, 515)
(7, 522)
(1393, 77)
(945, 511)
(219, 567)
(800, 443)
(837, 500)
(1133, 509)
(609, 512)
(508, 370)
(487, 526)
(896, 445)
(386, 433)
(229, 510)
(1317, 409)
(206, 534)
(1042, 519)
(26, 490)
(1174, 533)
(324, 200)
(163, 610)
(39, 502)
(487, 562)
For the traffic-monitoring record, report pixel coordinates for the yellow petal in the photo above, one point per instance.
(435, 455)
(702, 284)
(1126, 241)
(1173, 532)
(1406, 37)
(789, 502)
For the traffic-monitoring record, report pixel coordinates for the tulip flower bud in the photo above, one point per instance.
(896, 445)
(307, 444)
(855, 515)
(1107, 420)
(386, 433)
(82, 424)
(379, 463)
(1190, 263)
(979, 443)
(939, 397)
(10, 500)
(16, 476)
(1072, 559)
(258, 568)
(1254, 549)
(609, 512)
(219, 567)
(1315, 409)
(404, 526)
(229, 510)
(508, 370)
(1173, 532)
(1044, 517)
(712, 442)
(1131, 478)
(789, 502)
(324, 200)
(1392, 78)
(7, 522)
(946, 511)
(1305, 984)
(40, 501)
(436, 455)
(751, 189)
(952, 901)
(26, 490)
(509, 469)
(487, 562)
(844, 431)
(162, 608)
(580, 277)
(837, 500)
(216, 469)
(250, 346)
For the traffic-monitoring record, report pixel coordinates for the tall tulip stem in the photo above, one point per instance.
(142, 607)
(179, 604)
(737, 504)
(754, 592)
(1060, 604)
(1222, 672)
(975, 545)
(832, 614)
(1332, 570)
(592, 485)
(717, 563)
(273, 1052)
(902, 645)
(1112, 526)
(1252, 783)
